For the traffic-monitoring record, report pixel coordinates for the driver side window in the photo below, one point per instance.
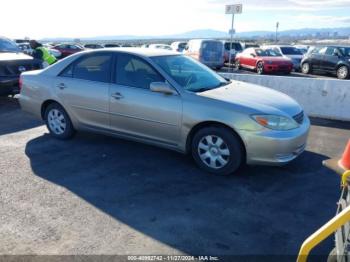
(135, 72)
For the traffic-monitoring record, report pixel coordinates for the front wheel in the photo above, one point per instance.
(58, 122)
(260, 68)
(306, 68)
(343, 72)
(217, 150)
(237, 65)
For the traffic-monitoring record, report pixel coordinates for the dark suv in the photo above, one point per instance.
(328, 59)
(12, 63)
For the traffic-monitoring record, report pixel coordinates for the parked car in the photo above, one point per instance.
(12, 63)
(25, 48)
(290, 52)
(169, 100)
(178, 46)
(208, 52)
(68, 49)
(160, 46)
(236, 48)
(93, 46)
(263, 61)
(328, 59)
(111, 45)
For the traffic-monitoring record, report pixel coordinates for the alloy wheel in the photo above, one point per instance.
(213, 151)
(342, 72)
(56, 121)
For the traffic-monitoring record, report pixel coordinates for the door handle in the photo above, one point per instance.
(61, 86)
(117, 96)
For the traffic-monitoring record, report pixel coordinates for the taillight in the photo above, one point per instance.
(20, 83)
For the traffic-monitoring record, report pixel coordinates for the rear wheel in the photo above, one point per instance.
(58, 122)
(260, 68)
(343, 72)
(217, 150)
(306, 68)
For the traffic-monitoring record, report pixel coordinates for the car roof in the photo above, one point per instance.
(137, 51)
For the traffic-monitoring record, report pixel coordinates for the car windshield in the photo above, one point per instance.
(290, 51)
(190, 74)
(8, 46)
(345, 51)
(267, 52)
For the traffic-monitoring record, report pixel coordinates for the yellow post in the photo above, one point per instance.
(329, 228)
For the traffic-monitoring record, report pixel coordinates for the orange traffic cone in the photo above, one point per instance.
(344, 162)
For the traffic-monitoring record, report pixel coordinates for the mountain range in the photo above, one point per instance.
(209, 33)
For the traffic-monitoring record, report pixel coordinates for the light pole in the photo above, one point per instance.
(277, 26)
(232, 10)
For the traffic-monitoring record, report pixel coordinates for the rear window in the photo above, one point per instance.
(212, 46)
(93, 68)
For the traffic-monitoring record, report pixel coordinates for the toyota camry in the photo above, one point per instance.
(169, 100)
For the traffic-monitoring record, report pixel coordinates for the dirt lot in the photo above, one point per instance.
(100, 195)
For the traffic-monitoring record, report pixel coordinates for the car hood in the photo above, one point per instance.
(256, 98)
(10, 56)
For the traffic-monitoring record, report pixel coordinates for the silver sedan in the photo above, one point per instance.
(169, 100)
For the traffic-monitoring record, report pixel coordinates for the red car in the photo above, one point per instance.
(68, 49)
(263, 61)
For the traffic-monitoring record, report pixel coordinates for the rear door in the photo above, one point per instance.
(330, 59)
(137, 111)
(83, 88)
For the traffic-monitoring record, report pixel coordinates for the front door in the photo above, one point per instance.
(137, 111)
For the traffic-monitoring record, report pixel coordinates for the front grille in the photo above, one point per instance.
(299, 118)
(283, 67)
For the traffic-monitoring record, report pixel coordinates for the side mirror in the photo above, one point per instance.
(162, 87)
(253, 55)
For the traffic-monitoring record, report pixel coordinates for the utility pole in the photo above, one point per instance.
(277, 26)
(232, 10)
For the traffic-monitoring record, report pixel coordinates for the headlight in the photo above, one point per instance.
(276, 122)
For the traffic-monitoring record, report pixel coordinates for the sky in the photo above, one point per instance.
(86, 18)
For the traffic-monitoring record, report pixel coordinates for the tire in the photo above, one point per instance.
(306, 68)
(58, 122)
(332, 257)
(237, 65)
(343, 72)
(217, 150)
(260, 68)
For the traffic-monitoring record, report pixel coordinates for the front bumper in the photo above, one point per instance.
(272, 68)
(269, 147)
(9, 85)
